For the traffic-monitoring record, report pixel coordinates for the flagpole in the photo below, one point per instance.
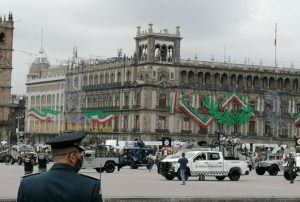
(275, 44)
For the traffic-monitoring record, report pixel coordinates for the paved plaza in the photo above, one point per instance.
(141, 183)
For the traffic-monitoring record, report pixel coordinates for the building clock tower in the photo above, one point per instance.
(6, 49)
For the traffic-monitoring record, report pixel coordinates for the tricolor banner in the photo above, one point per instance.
(173, 102)
(45, 115)
(204, 122)
(99, 117)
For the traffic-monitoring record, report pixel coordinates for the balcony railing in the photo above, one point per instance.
(135, 130)
(252, 134)
(136, 106)
(162, 130)
(186, 131)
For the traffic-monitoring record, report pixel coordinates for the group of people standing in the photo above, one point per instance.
(30, 161)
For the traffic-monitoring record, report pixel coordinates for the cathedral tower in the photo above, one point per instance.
(6, 49)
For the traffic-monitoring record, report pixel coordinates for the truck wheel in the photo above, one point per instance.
(110, 167)
(133, 165)
(273, 170)
(220, 178)
(179, 177)
(234, 175)
(169, 177)
(260, 170)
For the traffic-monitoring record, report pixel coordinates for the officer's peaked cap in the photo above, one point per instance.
(67, 140)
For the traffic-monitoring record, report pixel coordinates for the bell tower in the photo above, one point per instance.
(161, 46)
(6, 49)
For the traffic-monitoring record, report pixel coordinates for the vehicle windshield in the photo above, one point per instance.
(25, 149)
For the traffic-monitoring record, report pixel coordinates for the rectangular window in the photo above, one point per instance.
(137, 122)
(252, 127)
(186, 124)
(162, 122)
(252, 104)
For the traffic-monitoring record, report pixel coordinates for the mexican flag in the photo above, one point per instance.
(173, 102)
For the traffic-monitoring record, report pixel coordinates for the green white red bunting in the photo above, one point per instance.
(45, 115)
(214, 112)
(99, 117)
(297, 120)
(204, 122)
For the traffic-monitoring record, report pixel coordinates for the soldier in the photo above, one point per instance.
(62, 182)
(28, 163)
(290, 167)
(42, 160)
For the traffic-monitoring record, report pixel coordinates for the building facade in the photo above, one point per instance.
(6, 49)
(139, 91)
(45, 88)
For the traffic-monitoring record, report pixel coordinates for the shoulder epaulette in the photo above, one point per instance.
(84, 175)
(28, 175)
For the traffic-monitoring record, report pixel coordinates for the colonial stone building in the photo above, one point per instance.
(45, 88)
(141, 89)
(6, 49)
(156, 94)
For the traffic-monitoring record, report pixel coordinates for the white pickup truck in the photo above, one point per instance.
(204, 163)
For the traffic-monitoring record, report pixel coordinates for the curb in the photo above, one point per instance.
(135, 199)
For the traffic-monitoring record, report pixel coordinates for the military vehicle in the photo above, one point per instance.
(16, 153)
(271, 163)
(101, 158)
(135, 156)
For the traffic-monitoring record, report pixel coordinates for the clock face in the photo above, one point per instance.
(298, 141)
(166, 142)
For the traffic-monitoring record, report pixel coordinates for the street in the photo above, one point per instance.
(142, 183)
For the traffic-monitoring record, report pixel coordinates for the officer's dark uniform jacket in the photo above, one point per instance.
(59, 184)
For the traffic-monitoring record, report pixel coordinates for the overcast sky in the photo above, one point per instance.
(238, 29)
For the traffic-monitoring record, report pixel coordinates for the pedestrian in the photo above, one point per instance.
(62, 183)
(150, 162)
(290, 168)
(250, 163)
(42, 160)
(183, 162)
(28, 163)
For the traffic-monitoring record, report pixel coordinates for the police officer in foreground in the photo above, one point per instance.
(62, 183)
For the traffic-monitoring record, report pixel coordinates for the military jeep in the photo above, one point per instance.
(271, 163)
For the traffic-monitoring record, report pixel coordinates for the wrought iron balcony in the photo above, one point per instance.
(162, 130)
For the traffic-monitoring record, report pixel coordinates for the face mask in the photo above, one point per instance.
(78, 165)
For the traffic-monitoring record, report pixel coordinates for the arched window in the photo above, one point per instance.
(112, 78)
(249, 81)
(280, 84)
(200, 78)
(287, 84)
(183, 77)
(119, 77)
(96, 80)
(224, 79)
(128, 76)
(256, 82)
(217, 78)
(272, 83)
(207, 78)
(295, 85)
(233, 80)
(191, 77)
(265, 82)
(240, 81)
